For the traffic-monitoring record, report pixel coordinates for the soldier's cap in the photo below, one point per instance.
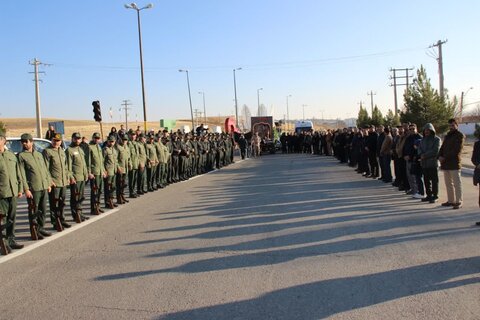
(76, 135)
(57, 136)
(26, 136)
(141, 135)
(96, 135)
(111, 138)
(131, 132)
(124, 137)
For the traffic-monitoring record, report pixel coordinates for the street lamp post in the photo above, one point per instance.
(303, 108)
(461, 102)
(135, 7)
(235, 91)
(288, 114)
(189, 97)
(258, 101)
(204, 110)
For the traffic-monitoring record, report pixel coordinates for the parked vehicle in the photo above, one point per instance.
(303, 126)
(14, 144)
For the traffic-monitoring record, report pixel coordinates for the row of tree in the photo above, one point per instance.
(422, 104)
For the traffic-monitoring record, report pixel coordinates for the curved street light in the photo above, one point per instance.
(288, 115)
(189, 96)
(235, 91)
(134, 6)
(258, 101)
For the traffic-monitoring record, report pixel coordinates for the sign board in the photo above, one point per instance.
(168, 123)
(58, 126)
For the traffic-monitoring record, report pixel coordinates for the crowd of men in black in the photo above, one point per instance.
(416, 155)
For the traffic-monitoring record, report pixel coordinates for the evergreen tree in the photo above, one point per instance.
(391, 120)
(377, 117)
(423, 104)
(363, 119)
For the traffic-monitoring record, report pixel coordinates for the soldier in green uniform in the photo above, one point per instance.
(56, 161)
(96, 173)
(111, 167)
(123, 154)
(11, 187)
(132, 171)
(152, 162)
(77, 166)
(163, 155)
(142, 160)
(160, 161)
(36, 185)
(169, 144)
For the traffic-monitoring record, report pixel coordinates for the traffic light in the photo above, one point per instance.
(97, 112)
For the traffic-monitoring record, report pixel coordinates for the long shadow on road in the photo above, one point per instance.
(301, 207)
(322, 299)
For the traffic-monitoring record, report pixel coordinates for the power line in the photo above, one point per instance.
(279, 65)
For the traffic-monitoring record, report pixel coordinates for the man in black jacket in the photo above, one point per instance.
(371, 148)
(242, 144)
(411, 158)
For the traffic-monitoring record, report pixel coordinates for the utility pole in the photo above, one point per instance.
(197, 112)
(125, 107)
(395, 84)
(371, 94)
(440, 66)
(35, 63)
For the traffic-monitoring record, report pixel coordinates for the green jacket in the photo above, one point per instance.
(142, 154)
(95, 160)
(162, 152)
(76, 163)
(56, 161)
(133, 146)
(111, 160)
(11, 179)
(123, 157)
(151, 154)
(34, 170)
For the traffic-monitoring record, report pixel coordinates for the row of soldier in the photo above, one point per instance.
(134, 161)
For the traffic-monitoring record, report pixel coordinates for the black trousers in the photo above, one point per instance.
(430, 179)
(372, 159)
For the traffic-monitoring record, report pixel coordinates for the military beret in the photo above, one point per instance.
(76, 135)
(26, 136)
(57, 136)
(111, 138)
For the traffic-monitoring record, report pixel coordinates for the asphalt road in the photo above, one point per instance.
(280, 237)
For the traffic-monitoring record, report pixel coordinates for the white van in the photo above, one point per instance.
(303, 126)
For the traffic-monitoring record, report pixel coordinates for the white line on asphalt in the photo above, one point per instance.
(55, 236)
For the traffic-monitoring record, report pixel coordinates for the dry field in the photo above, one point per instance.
(17, 126)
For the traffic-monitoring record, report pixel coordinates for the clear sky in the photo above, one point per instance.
(326, 54)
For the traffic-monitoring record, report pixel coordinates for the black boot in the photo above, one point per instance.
(13, 244)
